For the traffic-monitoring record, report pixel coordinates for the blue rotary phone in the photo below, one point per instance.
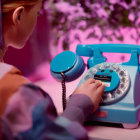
(121, 101)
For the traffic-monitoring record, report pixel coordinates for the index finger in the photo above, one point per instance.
(90, 81)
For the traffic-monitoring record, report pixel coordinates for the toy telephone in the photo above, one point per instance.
(121, 101)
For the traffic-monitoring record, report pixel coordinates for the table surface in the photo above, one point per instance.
(95, 130)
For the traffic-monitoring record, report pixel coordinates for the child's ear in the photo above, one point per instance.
(16, 17)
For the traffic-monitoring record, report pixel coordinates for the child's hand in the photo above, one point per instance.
(94, 89)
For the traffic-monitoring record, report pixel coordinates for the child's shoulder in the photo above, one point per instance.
(10, 75)
(4, 68)
(10, 81)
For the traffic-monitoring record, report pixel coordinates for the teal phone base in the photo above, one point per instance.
(121, 101)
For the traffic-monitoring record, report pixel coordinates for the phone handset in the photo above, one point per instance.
(65, 67)
(94, 51)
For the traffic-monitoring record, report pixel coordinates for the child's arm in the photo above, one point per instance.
(94, 89)
(35, 117)
(84, 100)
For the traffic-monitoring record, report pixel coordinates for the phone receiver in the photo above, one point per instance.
(68, 63)
(94, 52)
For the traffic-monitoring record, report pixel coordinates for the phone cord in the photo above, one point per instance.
(63, 91)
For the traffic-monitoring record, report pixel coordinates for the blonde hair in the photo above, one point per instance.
(9, 5)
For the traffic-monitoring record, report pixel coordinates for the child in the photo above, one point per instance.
(26, 111)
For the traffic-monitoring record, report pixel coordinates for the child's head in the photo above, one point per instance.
(18, 20)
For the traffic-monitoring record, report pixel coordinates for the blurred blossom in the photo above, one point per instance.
(111, 7)
(109, 32)
(114, 1)
(98, 31)
(117, 32)
(138, 22)
(131, 16)
(65, 7)
(94, 8)
(87, 3)
(133, 3)
(102, 13)
(82, 24)
(125, 5)
(134, 33)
